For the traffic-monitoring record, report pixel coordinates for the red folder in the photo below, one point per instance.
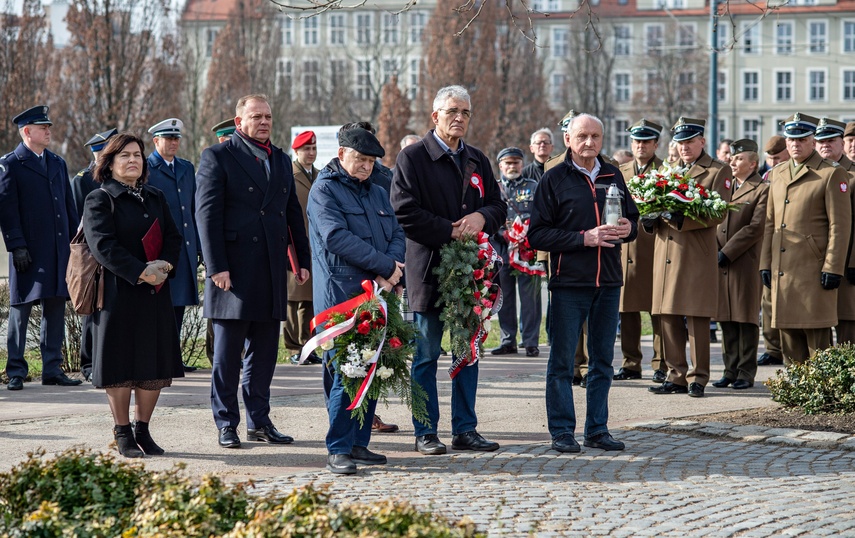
(153, 243)
(292, 255)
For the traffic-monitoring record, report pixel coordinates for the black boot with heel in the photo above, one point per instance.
(125, 443)
(144, 440)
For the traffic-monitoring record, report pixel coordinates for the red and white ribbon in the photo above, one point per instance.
(477, 182)
(517, 234)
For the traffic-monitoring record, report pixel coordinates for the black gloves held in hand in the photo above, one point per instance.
(766, 277)
(830, 281)
(648, 221)
(21, 259)
(722, 259)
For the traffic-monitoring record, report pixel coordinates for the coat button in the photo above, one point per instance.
(262, 212)
(464, 206)
(185, 224)
(255, 240)
(780, 273)
(670, 238)
(285, 190)
(179, 190)
(152, 292)
(188, 243)
(784, 225)
(281, 213)
(667, 261)
(628, 260)
(783, 250)
(724, 230)
(145, 215)
(251, 189)
(786, 201)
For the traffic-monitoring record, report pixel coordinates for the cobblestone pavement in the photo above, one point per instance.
(661, 485)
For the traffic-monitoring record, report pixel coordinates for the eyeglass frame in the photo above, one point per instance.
(453, 112)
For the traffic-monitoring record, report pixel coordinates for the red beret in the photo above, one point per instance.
(306, 137)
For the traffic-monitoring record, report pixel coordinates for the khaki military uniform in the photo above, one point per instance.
(295, 328)
(771, 336)
(636, 295)
(740, 238)
(846, 293)
(808, 227)
(685, 263)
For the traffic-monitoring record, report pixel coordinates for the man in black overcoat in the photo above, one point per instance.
(245, 204)
(38, 219)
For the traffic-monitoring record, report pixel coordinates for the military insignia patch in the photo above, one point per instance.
(727, 183)
(844, 186)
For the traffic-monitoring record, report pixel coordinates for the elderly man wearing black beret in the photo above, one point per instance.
(354, 236)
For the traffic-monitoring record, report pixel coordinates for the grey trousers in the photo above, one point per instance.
(50, 342)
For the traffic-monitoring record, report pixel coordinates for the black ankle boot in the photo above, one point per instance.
(125, 443)
(144, 440)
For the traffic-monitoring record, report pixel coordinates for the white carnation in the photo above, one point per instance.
(328, 345)
(384, 372)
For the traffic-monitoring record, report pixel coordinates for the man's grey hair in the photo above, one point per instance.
(409, 139)
(241, 104)
(583, 115)
(450, 92)
(545, 131)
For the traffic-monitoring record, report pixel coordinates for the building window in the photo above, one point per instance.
(722, 33)
(623, 40)
(560, 42)
(418, 19)
(783, 86)
(750, 39)
(686, 36)
(622, 87)
(621, 136)
(672, 4)
(686, 86)
(337, 29)
(558, 88)
(751, 129)
(363, 28)
(362, 91)
(310, 32)
(413, 88)
(818, 32)
(210, 39)
(848, 36)
(310, 74)
(653, 38)
(338, 74)
(784, 38)
(722, 129)
(284, 81)
(390, 29)
(816, 85)
(651, 88)
(285, 29)
(848, 85)
(722, 86)
(390, 68)
(750, 86)
(553, 5)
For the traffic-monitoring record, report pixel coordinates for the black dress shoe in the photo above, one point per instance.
(504, 349)
(660, 376)
(363, 456)
(341, 464)
(742, 384)
(473, 441)
(604, 441)
(430, 445)
(722, 383)
(713, 337)
(623, 374)
(669, 388)
(62, 380)
(696, 390)
(566, 443)
(188, 368)
(15, 383)
(268, 434)
(584, 382)
(87, 373)
(229, 437)
(577, 380)
(532, 351)
(769, 360)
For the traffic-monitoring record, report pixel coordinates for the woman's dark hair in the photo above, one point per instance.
(115, 146)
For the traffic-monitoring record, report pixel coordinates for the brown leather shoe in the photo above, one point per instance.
(381, 427)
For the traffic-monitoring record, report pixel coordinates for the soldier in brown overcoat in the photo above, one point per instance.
(808, 225)
(740, 238)
(637, 259)
(684, 262)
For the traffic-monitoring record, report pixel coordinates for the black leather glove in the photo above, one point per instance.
(21, 259)
(766, 277)
(677, 218)
(648, 222)
(723, 260)
(830, 281)
(850, 275)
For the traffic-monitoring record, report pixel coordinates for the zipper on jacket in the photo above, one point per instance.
(597, 215)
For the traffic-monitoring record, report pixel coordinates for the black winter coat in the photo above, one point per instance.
(134, 336)
(429, 192)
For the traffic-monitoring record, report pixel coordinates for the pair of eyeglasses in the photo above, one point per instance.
(542, 143)
(453, 112)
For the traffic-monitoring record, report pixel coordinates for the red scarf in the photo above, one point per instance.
(265, 146)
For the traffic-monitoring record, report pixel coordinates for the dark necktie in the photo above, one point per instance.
(42, 162)
(171, 168)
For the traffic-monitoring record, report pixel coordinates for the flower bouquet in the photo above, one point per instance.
(522, 258)
(373, 345)
(670, 190)
(468, 296)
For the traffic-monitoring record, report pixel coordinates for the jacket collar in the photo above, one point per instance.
(29, 159)
(334, 171)
(435, 150)
(751, 182)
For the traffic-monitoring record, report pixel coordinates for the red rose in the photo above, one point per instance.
(487, 283)
(487, 303)
(378, 323)
(683, 187)
(365, 315)
(493, 296)
(482, 254)
(477, 310)
(395, 342)
(477, 294)
(478, 274)
(364, 327)
(661, 184)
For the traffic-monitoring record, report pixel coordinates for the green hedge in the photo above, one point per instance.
(82, 494)
(825, 383)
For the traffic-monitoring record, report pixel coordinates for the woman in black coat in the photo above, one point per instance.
(135, 339)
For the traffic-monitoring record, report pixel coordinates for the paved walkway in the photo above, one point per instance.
(676, 478)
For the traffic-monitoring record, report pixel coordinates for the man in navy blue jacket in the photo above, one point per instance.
(586, 279)
(245, 204)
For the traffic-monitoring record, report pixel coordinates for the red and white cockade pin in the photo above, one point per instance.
(477, 182)
(843, 186)
(727, 183)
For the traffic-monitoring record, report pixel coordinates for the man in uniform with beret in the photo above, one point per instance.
(806, 242)
(829, 144)
(38, 220)
(518, 193)
(295, 330)
(245, 204)
(636, 295)
(176, 177)
(849, 140)
(685, 285)
(81, 185)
